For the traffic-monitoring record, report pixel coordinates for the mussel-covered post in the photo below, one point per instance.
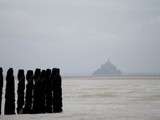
(48, 92)
(42, 84)
(1, 87)
(57, 90)
(20, 91)
(29, 93)
(37, 94)
(10, 93)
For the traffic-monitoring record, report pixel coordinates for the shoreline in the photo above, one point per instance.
(113, 77)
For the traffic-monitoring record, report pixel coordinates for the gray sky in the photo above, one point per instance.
(79, 35)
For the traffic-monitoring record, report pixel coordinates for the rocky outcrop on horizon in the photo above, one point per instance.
(107, 69)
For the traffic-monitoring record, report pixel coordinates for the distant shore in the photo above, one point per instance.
(114, 77)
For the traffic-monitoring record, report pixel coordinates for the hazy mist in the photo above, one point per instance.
(79, 35)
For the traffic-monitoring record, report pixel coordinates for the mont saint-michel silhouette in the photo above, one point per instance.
(107, 68)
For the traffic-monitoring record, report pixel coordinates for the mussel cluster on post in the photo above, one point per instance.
(37, 92)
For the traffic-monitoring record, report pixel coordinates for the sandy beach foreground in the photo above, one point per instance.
(101, 99)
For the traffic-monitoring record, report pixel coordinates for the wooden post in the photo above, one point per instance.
(37, 94)
(10, 93)
(20, 91)
(48, 92)
(41, 98)
(57, 91)
(29, 93)
(1, 87)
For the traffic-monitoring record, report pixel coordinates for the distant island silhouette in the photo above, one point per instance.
(107, 69)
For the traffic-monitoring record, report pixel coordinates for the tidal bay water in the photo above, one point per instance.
(105, 99)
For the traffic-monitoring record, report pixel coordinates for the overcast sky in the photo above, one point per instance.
(79, 35)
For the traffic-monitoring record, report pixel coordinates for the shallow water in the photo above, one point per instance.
(105, 100)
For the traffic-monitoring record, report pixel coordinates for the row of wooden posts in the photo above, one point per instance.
(41, 94)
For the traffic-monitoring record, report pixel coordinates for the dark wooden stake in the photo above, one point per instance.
(20, 91)
(10, 93)
(57, 91)
(1, 87)
(29, 93)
